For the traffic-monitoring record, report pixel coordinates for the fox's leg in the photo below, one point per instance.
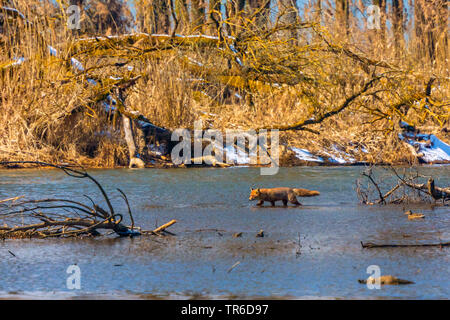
(293, 200)
(260, 203)
(285, 202)
(273, 203)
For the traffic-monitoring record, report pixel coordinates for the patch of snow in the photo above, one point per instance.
(77, 64)
(305, 155)
(53, 51)
(236, 155)
(198, 36)
(432, 149)
(18, 61)
(205, 94)
(338, 156)
(16, 11)
(158, 150)
(343, 155)
(233, 48)
(108, 107)
(195, 62)
(111, 99)
(335, 159)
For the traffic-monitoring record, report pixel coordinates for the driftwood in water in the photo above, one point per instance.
(435, 192)
(369, 245)
(56, 217)
(164, 226)
(406, 189)
(383, 280)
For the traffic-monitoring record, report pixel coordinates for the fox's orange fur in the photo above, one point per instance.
(280, 194)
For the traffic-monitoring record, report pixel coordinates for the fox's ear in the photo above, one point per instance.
(259, 190)
(251, 189)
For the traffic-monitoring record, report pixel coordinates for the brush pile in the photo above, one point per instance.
(55, 217)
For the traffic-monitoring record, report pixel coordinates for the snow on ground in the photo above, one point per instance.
(16, 61)
(336, 156)
(236, 155)
(15, 11)
(427, 147)
(338, 159)
(305, 155)
(341, 156)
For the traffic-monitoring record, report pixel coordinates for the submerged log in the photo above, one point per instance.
(385, 280)
(437, 193)
(369, 245)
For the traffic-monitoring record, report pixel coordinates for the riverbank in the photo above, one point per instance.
(412, 149)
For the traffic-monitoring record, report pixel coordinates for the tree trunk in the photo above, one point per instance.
(343, 17)
(152, 16)
(197, 15)
(234, 9)
(262, 17)
(214, 17)
(128, 130)
(162, 17)
(318, 13)
(182, 15)
(288, 8)
(442, 35)
(425, 29)
(382, 31)
(398, 27)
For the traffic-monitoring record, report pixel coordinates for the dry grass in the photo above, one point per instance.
(50, 113)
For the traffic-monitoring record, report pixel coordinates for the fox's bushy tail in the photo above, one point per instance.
(305, 192)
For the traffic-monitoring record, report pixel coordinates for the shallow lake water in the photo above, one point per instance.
(311, 251)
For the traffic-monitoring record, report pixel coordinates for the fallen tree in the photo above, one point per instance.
(408, 188)
(57, 217)
(369, 245)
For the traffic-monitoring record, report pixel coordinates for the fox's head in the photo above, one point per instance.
(254, 194)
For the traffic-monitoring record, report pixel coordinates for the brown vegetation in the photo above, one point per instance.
(344, 88)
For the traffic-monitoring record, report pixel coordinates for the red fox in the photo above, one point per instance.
(283, 194)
